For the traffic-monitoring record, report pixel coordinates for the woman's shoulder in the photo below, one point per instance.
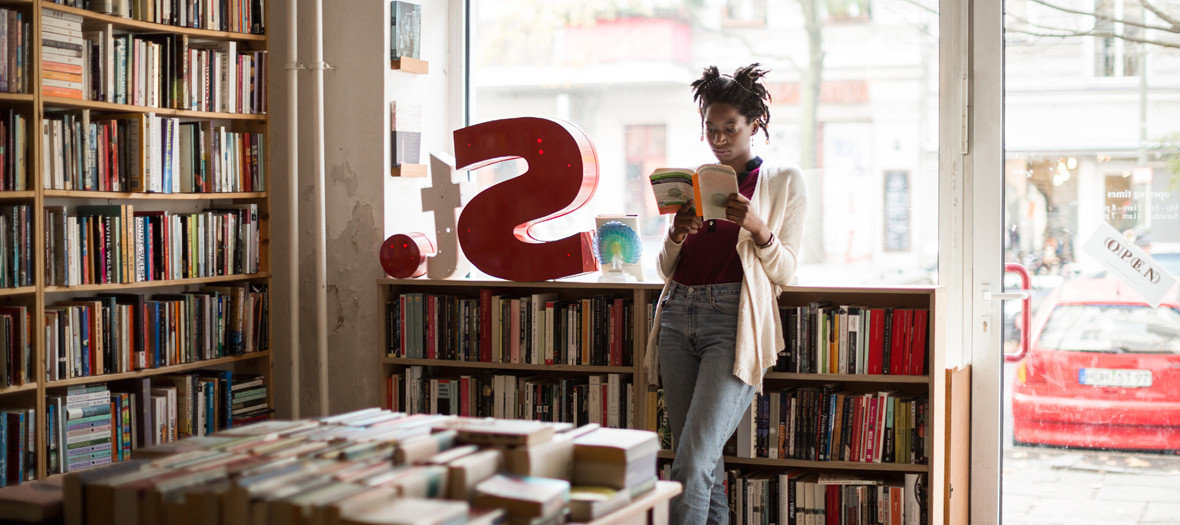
(782, 174)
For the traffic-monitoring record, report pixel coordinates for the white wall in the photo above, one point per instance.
(357, 91)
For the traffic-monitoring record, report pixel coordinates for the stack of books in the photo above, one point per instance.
(617, 458)
(61, 54)
(248, 395)
(87, 426)
(371, 466)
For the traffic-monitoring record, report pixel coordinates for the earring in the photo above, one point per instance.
(767, 142)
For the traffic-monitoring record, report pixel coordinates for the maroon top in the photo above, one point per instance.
(710, 255)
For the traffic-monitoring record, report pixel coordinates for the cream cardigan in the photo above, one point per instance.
(780, 198)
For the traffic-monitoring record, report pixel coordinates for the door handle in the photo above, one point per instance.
(1026, 315)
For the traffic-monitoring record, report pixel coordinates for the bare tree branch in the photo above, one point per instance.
(1099, 34)
(922, 6)
(745, 42)
(1175, 23)
(1124, 21)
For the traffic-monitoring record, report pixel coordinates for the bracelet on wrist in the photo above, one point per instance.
(768, 241)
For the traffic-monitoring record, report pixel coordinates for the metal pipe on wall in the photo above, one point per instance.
(293, 67)
(321, 238)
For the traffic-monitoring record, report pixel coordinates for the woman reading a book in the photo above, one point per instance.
(717, 327)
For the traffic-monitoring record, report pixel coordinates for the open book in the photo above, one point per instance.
(709, 187)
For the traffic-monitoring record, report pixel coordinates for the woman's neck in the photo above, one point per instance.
(739, 165)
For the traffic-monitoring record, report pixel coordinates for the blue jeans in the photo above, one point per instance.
(705, 401)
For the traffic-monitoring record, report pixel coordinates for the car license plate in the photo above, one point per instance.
(1114, 377)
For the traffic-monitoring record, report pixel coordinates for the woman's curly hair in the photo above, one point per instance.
(744, 90)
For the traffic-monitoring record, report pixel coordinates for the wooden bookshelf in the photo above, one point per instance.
(51, 102)
(127, 195)
(153, 284)
(24, 98)
(128, 24)
(38, 107)
(815, 465)
(525, 367)
(27, 387)
(16, 195)
(149, 372)
(20, 290)
(915, 386)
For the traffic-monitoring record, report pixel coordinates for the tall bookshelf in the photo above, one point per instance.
(43, 193)
(643, 295)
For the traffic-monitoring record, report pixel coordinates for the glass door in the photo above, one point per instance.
(1090, 386)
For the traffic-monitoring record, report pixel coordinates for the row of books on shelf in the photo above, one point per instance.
(14, 146)
(18, 445)
(536, 328)
(16, 345)
(367, 466)
(14, 47)
(148, 69)
(828, 424)
(603, 399)
(237, 16)
(115, 333)
(137, 152)
(805, 497)
(842, 339)
(16, 245)
(93, 425)
(113, 243)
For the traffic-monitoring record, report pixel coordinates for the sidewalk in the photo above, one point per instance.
(1070, 487)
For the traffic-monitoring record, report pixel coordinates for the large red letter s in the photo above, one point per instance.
(562, 175)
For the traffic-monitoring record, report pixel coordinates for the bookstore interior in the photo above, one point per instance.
(335, 286)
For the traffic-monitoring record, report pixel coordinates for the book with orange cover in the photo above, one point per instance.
(709, 187)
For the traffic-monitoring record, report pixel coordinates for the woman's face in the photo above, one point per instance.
(728, 133)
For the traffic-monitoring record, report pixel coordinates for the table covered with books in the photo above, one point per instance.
(367, 467)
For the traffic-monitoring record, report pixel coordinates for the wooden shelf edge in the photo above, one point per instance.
(409, 170)
(818, 465)
(508, 285)
(148, 372)
(131, 23)
(449, 363)
(850, 378)
(17, 97)
(66, 102)
(154, 284)
(410, 65)
(17, 195)
(20, 290)
(27, 387)
(127, 195)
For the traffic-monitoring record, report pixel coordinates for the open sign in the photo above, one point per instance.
(1130, 263)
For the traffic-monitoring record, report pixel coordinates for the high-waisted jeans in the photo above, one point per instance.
(705, 401)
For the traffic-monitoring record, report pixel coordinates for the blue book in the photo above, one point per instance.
(3, 451)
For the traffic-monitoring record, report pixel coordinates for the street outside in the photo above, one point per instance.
(1044, 485)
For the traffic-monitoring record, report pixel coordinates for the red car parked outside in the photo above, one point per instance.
(1103, 370)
